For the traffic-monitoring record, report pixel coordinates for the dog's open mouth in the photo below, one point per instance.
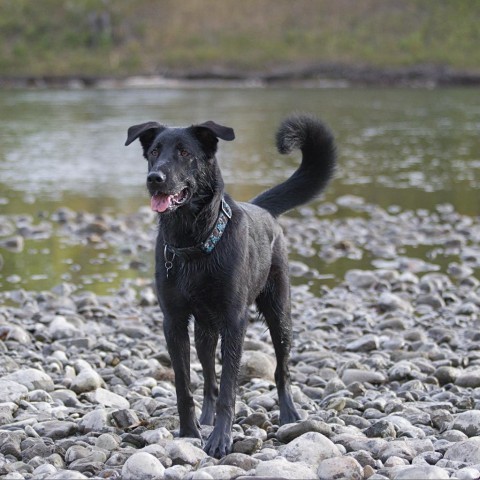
(161, 202)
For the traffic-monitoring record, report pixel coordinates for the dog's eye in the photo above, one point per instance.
(183, 152)
(154, 153)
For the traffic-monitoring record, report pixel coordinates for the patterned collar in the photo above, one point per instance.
(206, 247)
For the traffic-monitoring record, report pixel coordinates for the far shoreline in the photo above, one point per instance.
(325, 75)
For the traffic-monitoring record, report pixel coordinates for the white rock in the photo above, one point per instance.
(256, 364)
(16, 334)
(389, 302)
(184, 453)
(220, 472)
(81, 364)
(156, 450)
(44, 471)
(467, 451)
(297, 269)
(350, 201)
(393, 461)
(361, 278)
(31, 378)
(351, 375)
(63, 328)
(107, 398)
(425, 472)
(346, 468)
(14, 476)
(354, 442)
(67, 475)
(94, 421)
(106, 442)
(467, 473)
(76, 452)
(266, 454)
(79, 452)
(282, 468)
(467, 422)
(311, 448)
(143, 466)
(176, 472)
(11, 391)
(86, 381)
(399, 448)
(198, 475)
(155, 436)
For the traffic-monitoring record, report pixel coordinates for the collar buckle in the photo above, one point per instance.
(226, 209)
(168, 262)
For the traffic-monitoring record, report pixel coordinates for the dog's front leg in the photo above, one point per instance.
(178, 343)
(219, 443)
(206, 340)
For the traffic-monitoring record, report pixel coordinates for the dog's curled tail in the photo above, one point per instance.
(315, 140)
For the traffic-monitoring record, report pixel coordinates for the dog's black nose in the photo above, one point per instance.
(154, 178)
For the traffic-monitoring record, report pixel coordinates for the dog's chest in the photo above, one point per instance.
(193, 280)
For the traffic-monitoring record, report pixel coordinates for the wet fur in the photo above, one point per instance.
(249, 264)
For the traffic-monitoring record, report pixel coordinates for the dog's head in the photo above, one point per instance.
(180, 160)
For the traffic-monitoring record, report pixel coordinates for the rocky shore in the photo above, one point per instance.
(385, 363)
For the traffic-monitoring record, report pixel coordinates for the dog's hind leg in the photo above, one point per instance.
(178, 343)
(274, 304)
(206, 342)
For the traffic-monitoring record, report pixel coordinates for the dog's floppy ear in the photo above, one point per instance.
(208, 134)
(146, 132)
(225, 133)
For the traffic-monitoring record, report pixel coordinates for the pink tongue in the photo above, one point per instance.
(160, 203)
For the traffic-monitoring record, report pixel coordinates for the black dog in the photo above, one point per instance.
(215, 257)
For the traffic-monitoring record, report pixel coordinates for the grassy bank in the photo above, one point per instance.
(123, 37)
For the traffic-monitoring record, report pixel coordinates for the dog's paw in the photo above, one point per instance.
(291, 416)
(191, 431)
(218, 444)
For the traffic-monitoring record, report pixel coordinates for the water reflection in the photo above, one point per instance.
(64, 142)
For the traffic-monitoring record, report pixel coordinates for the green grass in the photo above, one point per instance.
(119, 37)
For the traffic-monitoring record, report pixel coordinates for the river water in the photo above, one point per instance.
(405, 149)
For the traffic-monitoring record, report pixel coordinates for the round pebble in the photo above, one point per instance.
(142, 465)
